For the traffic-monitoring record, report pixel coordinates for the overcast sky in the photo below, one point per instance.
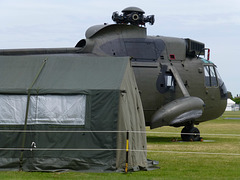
(62, 23)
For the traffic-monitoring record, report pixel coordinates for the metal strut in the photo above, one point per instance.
(179, 81)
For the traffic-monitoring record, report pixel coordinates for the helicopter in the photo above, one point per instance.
(178, 85)
(177, 82)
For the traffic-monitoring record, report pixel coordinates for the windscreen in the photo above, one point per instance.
(213, 79)
(210, 76)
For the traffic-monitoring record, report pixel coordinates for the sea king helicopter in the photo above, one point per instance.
(178, 85)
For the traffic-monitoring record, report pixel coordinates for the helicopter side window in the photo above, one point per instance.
(210, 76)
(141, 51)
(165, 81)
(169, 81)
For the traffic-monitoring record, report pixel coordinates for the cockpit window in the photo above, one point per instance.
(223, 89)
(213, 79)
(210, 76)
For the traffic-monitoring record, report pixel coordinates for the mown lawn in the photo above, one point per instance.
(217, 157)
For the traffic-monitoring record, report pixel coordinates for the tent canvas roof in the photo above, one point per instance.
(60, 73)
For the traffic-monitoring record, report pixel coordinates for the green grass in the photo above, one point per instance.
(175, 165)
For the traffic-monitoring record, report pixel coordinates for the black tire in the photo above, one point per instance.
(194, 134)
(185, 137)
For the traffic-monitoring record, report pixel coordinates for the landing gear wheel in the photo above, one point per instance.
(190, 134)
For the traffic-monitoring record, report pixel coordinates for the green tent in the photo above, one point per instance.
(69, 112)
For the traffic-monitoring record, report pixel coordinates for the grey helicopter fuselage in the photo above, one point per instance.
(166, 69)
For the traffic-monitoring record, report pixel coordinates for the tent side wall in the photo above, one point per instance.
(101, 80)
(62, 147)
(131, 118)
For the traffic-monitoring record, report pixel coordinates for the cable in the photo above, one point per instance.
(141, 132)
(130, 150)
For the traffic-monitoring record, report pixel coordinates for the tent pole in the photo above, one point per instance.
(26, 114)
(127, 148)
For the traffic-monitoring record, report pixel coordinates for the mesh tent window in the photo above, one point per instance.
(43, 109)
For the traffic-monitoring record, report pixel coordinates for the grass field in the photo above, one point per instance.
(217, 157)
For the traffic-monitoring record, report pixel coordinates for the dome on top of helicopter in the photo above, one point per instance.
(133, 9)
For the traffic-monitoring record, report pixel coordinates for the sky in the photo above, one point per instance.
(62, 23)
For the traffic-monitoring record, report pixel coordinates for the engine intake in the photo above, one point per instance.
(134, 16)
